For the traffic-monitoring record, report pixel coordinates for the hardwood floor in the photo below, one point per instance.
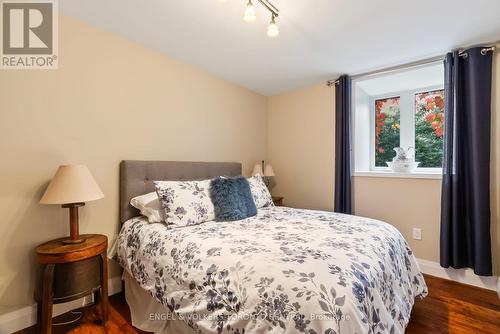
(450, 307)
(118, 322)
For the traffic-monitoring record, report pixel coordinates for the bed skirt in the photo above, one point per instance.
(147, 313)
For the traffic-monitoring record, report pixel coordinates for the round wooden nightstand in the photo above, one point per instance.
(71, 271)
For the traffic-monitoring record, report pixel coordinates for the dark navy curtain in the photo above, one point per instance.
(465, 201)
(343, 201)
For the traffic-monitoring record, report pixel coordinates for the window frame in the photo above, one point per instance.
(407, 112)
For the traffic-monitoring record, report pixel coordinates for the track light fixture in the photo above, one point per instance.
(272, 29)
(250, 15)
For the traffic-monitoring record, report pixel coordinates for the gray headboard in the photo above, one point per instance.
(136, 177)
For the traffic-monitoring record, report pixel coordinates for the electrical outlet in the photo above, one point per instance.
(417, 233)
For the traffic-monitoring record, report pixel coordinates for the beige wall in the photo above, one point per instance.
(301, 144)
(405, 203)
(109, 100)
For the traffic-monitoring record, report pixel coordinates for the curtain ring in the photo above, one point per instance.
(465, 55)
(484, 51)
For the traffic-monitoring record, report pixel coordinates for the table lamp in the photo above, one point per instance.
(266, 171)
(72, 186)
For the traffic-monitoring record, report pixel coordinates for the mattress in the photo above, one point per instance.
(283, 271)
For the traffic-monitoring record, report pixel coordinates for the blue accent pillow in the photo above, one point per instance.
(232, 198)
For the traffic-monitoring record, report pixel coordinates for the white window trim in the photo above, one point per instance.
(390, 174)
(407, 135)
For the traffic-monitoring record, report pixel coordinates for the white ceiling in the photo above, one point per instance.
(319, 39)
(421, 77)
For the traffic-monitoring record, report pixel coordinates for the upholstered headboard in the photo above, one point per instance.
(136, 177)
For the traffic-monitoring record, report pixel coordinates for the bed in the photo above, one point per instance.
(284, 270)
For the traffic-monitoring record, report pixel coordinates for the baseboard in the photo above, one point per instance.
(23, 317)
(465, 276)
(114, 285)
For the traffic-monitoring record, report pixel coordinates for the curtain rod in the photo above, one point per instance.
(417, 63)
(270, 7)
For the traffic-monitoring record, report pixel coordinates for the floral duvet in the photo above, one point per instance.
(282, 271)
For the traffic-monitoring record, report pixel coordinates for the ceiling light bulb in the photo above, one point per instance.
(272, 29)
(249, 13)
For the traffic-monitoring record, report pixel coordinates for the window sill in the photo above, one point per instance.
(390, 174)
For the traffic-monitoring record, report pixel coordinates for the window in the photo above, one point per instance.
(404, 109)
(387, 125)
(429, 122)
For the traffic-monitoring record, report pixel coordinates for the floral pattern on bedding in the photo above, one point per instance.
(185, 202)
(282, 271)
(261, 195)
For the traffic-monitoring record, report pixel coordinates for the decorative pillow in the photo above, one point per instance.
(185, 203)
(149, 206)
(232, 198)
(261, 195)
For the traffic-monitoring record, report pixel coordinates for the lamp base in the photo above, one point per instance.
(72, 242)
(73, 224)
(267, 181)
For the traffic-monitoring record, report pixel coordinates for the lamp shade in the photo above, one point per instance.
(72, 184)
(268, 171)
(257, 169)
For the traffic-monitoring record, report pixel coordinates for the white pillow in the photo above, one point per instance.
(149, 205)
(261, 195)
(185, 203)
